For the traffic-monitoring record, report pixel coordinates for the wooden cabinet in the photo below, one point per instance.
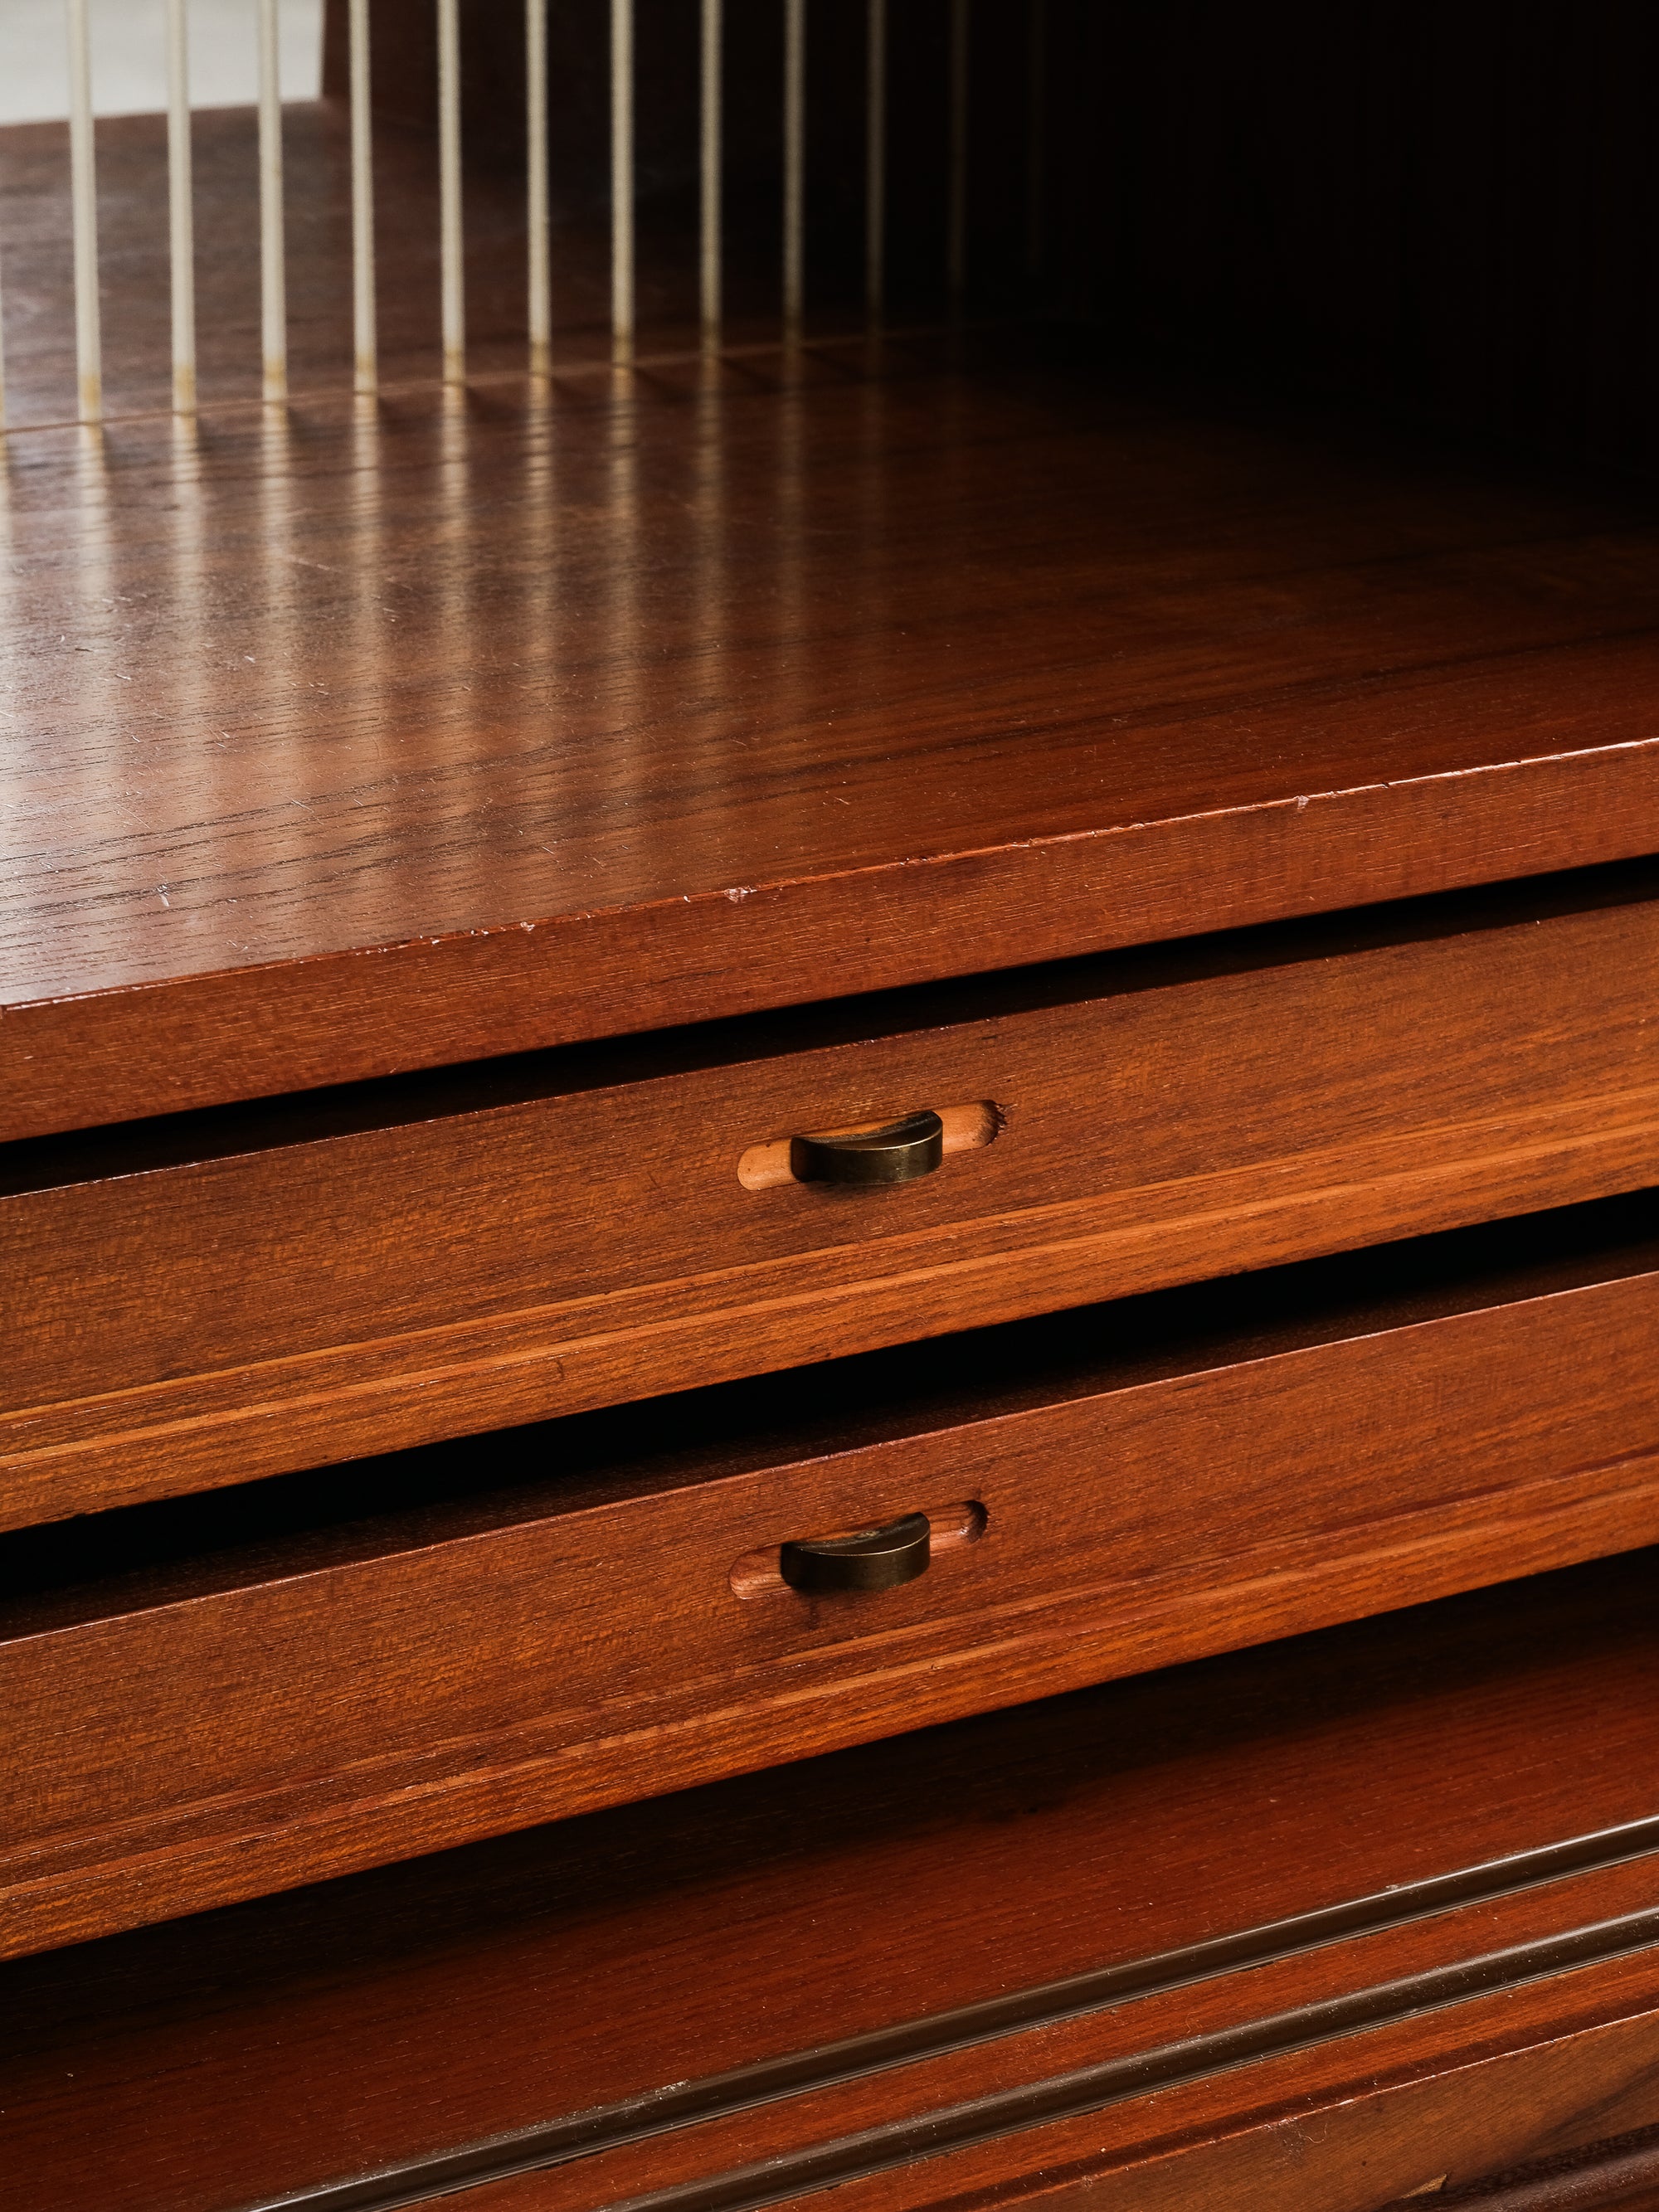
(1108, 601)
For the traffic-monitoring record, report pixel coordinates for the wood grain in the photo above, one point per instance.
(448, 1671)
(1321, 2132)
(394, 2016)
(303, 1289)
(346, 743)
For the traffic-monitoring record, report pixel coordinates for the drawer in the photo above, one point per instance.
(219, 1297)
(212, 1697)
(1167, 1908)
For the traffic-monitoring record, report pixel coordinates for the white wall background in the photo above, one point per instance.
(129, 60)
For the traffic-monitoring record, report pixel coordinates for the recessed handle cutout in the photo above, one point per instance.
(963, 1129)
(759, 1574)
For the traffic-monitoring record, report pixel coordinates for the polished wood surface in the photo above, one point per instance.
(1418, 1783)
(249, 1294)
(439, 1659)
(344, 742)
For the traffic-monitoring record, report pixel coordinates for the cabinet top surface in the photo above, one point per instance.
(341, 740)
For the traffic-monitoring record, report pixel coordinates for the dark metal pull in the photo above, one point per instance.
(872, 1559)
(898, 1153)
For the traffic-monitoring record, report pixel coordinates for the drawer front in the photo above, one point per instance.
(210, 1321)
(233, 1741)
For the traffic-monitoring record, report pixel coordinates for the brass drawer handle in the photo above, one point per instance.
(871, 1560)
(898, 1153)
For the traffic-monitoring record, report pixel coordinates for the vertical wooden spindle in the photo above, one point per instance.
(84, 195)
(454, 277)
(181, 236)
(540, 275)
(622, 179)
(794, 165)
(713, 33)
(365, 338)
(875, 161)
(1035, 152)
(273, 275)
(957, 252)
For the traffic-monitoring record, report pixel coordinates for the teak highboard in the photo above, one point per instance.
(828, 1112)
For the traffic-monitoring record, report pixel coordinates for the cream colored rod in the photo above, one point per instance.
(365, 340)
(540, 273)
(1037, 116)
(958, 248)
(83, 197)
(875, 163)
(622, 179)
(795, 164)
(273, 276)
(449, 191)
(713, 37)
(3, 356)
(181, 235)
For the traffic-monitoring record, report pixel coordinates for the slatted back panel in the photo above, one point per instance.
(844, 142)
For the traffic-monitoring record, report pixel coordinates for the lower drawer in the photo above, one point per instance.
(210, 1697)
(1309, 1927)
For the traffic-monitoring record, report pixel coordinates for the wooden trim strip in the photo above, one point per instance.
(1622, 2171)
(1071, 2096)
(715, 2097)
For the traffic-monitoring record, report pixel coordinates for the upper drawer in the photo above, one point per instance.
(231, 1294)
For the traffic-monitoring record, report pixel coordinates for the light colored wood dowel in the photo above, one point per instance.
(273, 275)
(622, 179)
(794, 165)
(875, 163)
(1036, 138)
(2, 353)
(957, 254)
(365, 340)
(541, 272)
(713, 39)
(181, 233)
(449, 191)
(83, 192)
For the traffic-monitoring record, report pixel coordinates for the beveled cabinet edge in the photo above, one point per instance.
(274, 1119)
(199, 1042)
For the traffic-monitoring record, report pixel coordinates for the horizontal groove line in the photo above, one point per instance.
(585, 2135)
(1071, 2096)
